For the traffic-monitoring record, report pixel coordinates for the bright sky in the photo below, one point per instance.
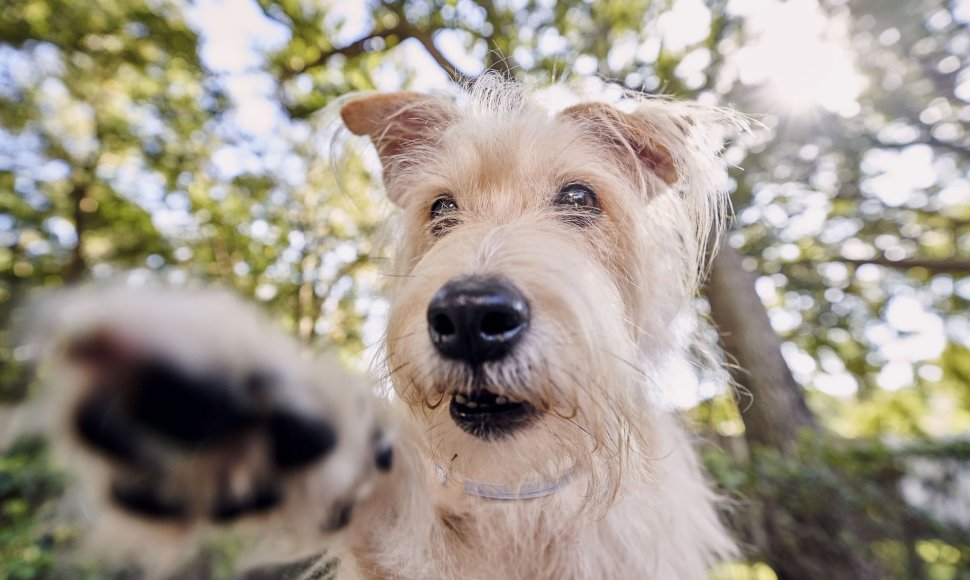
(797, 58)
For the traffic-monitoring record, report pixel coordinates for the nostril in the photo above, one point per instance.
(495, 324)
(443, 325)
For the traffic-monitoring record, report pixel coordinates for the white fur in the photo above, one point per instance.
(603, 298)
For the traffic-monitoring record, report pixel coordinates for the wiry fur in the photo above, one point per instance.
(605, 300)
(605, 297)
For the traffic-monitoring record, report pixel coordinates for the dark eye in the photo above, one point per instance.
(580, 201)
(441, 218)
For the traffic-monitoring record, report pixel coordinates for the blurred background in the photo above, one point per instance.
(188, 140)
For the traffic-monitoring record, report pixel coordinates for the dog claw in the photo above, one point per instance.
(298, 441)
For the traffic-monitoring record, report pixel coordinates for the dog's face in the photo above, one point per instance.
(541, 262)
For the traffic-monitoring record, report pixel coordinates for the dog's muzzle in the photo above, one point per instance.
(477, 320)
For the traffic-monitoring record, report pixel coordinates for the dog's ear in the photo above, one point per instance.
(651, 140)
(396, 123)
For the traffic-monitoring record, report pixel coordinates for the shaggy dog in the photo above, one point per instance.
(544, 262)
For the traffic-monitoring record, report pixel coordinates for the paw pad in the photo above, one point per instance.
(298, 441)
(101, 424)
(147, 502)
(186, 410)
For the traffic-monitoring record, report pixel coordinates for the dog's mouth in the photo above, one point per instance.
(486, 415)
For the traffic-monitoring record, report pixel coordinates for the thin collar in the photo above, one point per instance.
(506, 491)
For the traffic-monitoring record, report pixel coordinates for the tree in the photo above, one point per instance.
(102, 104)
(596, 34)
(840, 296)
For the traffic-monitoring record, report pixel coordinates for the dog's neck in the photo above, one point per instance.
(504, 469)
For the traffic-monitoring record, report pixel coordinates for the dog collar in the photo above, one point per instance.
(508, 492)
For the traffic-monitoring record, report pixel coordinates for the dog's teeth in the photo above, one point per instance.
(461, 399)
(501, 400)
(471, 404)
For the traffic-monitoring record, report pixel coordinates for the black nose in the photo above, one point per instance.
(477, 319)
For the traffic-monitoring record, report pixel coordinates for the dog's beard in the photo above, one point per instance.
(584, 408)
(494, 400)
(569, 397)
(572, 423)
(510, 399)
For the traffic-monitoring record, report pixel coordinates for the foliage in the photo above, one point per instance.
(143, 136)
(28, 490)
(861, 477)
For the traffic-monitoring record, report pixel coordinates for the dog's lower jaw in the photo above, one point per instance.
(488, 416)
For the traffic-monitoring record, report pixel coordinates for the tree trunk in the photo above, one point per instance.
(776, 409)
(803, 541)
(308, 309)
(77, 267)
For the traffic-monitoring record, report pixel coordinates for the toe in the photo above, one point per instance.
(298, 441)
(186, 410)
(101, 424)
(145, 501)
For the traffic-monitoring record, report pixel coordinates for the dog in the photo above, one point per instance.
(544, 263)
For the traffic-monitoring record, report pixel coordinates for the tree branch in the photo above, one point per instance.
(427, 41)
(268, 13)
(494, 58)
(356, 48)
(961, 151)
(403, 29)
(77, 267)
(933, 265)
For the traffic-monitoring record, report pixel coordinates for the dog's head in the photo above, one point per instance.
(542, 260)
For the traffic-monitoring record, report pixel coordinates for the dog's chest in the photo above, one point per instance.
(483, 539)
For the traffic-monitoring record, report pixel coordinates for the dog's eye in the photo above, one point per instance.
(440, 218)
(443, 205)
(579, 200)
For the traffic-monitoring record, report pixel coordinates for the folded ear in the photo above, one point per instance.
(396, 123)
(651, 140)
